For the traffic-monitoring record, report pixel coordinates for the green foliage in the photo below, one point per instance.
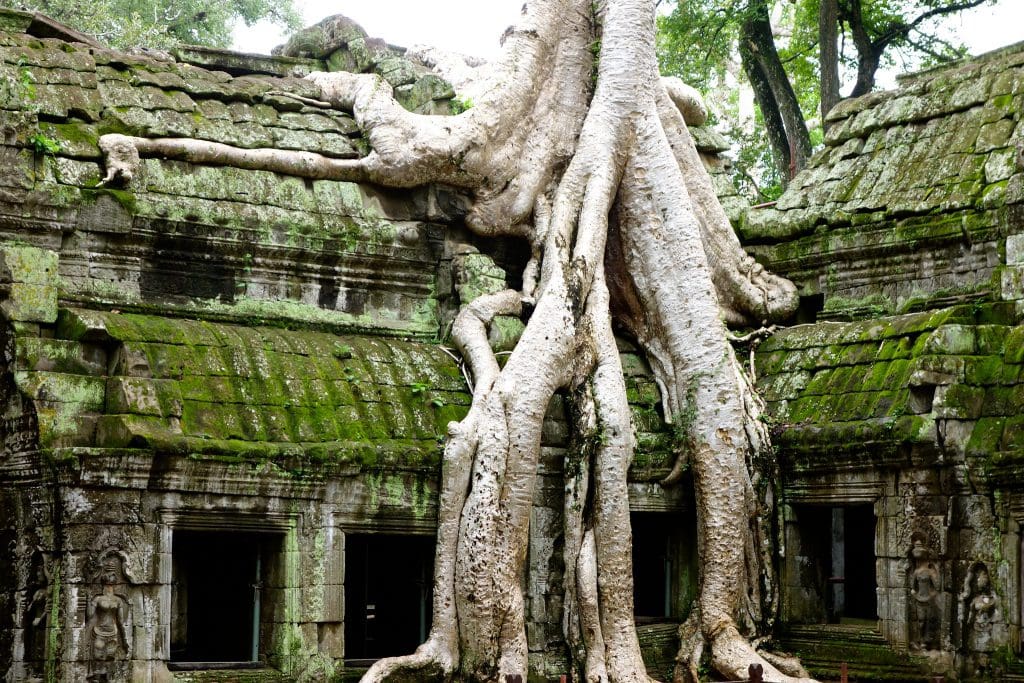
(162, 24)
(457, 105)
(698, 42)
(26, 79)
(44, 144)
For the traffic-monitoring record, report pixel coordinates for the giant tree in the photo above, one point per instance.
(589, 161)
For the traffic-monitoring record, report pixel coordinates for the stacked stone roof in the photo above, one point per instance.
(910, 202)
(907, 224)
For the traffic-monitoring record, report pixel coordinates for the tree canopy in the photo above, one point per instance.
(161, 24)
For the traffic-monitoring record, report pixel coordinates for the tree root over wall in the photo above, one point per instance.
(602, 178)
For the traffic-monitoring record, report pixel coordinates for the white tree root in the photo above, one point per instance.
(748, 294)
(550, 162)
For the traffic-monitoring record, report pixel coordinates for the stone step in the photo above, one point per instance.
(659, 644)
(823, 648)
(264, 675)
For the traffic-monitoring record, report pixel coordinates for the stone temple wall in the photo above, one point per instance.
(904, 397)
(216, 377)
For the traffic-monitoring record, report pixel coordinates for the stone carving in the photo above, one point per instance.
(925, 585)
(978, 601)
(107, 619)
(37, 612)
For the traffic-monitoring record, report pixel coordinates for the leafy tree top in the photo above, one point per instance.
(161, 24)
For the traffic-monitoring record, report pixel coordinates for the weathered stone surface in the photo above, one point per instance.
(908, 201)
(30, 276)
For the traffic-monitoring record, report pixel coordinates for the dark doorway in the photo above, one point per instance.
(216, 595)
(388, 589)
(837, 549)
(664, 569)
(858, 548)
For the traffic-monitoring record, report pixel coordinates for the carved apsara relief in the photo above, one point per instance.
(978, 613)
(106, 637)
(925, 582)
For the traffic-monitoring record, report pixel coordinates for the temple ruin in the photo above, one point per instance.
(224, 391)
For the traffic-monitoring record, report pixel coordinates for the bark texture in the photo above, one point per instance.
(784, 121)
(828, 59)
(603, 180)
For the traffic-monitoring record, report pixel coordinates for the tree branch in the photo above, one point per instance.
(902, 29)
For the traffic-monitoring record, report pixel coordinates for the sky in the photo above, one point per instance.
(468, 26)
(474, 26)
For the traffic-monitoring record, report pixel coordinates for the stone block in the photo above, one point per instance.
(936, 371)
(309, 634)
(28, 265)
(1011, 282)
(1015, 249)
(142, 642)
(32, 303)
(993, 135)
(958, 401)
(342, 60)
(951, 339)
(331, 638)
(396, 70)
(1001, 164)
(143, 396)
(134, 431)
(32, 289)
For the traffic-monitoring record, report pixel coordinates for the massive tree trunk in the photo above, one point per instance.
(603, 180)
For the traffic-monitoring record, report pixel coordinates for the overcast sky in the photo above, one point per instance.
(474, 26)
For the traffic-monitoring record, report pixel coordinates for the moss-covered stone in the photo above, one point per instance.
(266, 392)
(32, 280)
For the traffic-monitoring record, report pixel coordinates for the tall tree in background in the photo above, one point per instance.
(880, 25)
(828, 56)
(780, 109)
(161, 24)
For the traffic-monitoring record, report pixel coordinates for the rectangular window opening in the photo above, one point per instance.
(388, 595)
(664, 565)
(222, 599)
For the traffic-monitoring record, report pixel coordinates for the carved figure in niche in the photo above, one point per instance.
(106, 627)
(979, 610)
(925, 585)
(37, 612)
